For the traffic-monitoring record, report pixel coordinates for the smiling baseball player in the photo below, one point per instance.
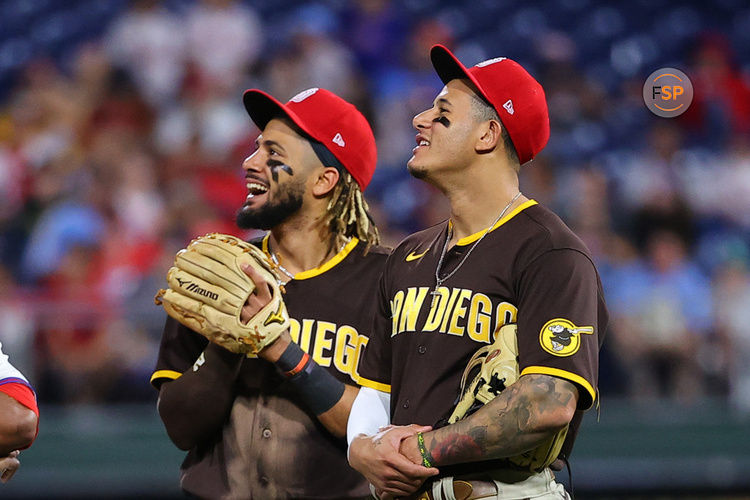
(274, 427)
(501, 307)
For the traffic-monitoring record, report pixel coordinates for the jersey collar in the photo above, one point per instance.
(329, 264)
(466, 240)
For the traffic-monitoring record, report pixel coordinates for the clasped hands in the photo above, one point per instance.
(391, 461)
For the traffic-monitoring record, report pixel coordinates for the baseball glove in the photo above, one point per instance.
(496, 367)
(208, 288)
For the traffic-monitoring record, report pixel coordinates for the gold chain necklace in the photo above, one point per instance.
(438, 280)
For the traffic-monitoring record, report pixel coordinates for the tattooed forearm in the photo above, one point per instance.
(521, 417)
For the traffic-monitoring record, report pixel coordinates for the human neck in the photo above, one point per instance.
(479, 197)
(301, 244)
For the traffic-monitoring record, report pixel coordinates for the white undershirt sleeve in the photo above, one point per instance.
(6, 369)
(371, 411)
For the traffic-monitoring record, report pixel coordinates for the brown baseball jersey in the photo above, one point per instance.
(529, 269)
(272, 446)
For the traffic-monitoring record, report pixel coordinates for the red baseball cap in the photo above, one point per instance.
(327, 118)
(516, 96)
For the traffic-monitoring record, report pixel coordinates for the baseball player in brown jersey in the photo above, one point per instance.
(255, 430)
(501, 259)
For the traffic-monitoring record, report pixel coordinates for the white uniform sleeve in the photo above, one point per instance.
(371, 411)
(7, 370)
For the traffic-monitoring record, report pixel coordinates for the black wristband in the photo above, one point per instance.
(319, 389)
(291, 359)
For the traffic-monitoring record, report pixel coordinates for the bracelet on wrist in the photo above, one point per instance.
(423, 450)
(292, 361)
(300, 366)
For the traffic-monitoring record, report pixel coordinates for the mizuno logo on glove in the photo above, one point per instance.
(192, 287)
(275, 317)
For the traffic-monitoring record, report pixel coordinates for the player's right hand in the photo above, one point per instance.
(378, 459)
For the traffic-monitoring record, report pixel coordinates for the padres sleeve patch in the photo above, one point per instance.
(560, 337)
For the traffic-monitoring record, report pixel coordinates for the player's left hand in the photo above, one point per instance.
(209, 290)
(9, 465)
(260, 297)
(257, 300)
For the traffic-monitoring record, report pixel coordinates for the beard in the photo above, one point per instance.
(272, 213)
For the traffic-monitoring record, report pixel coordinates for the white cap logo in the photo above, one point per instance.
(304, 94)
(339, 140)
(489, 61)
(509, 106)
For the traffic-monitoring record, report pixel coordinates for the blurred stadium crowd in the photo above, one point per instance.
(122, 134)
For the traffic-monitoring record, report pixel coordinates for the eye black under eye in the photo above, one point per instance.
(442, 120)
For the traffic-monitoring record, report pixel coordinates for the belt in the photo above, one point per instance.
(466, 490)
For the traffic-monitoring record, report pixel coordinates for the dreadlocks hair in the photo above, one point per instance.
(348, 214)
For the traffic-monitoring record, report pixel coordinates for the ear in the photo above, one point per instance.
(490, 136)
(326, 179)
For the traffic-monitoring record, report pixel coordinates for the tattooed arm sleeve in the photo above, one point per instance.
(517, 420)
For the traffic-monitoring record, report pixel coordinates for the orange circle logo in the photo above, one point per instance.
(667, 92)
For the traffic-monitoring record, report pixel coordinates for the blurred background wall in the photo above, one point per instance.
(122, 134)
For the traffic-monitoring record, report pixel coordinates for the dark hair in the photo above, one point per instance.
(347, 213)
(484, 111)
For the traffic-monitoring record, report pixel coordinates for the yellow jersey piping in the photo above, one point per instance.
(333, 261)
(378, 386)
(170, 374)
(474, 237)
(556, 372)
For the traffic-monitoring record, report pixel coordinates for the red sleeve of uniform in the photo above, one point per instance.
(19, 390)
(22, 392)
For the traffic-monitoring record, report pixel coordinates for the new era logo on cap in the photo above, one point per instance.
(327, 118)
(509, 106)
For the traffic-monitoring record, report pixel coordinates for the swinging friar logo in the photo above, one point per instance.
(560, 337)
